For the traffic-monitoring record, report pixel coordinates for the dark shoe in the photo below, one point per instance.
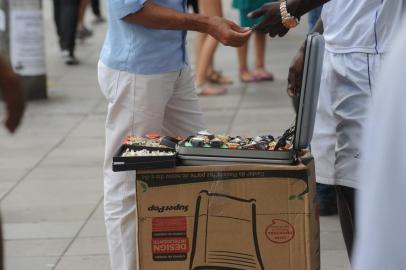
(99, 20)
(69, 58)
(326, 197)
(72, 61)
(84, 33)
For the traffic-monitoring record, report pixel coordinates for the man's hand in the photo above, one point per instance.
(11, 91)
(272, 22)
(227, 32)
(296, 73)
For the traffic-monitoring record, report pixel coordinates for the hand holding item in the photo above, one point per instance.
(228, 33)
(272, 22)
(11, 91)
(296, 73)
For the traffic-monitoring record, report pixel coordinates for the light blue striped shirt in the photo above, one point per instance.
(137, 49)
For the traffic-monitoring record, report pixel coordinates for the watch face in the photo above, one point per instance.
(291, 23)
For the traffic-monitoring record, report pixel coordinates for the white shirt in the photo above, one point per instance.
(360, 25)
(382, 200)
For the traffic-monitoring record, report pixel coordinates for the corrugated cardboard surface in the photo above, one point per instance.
(228, 217)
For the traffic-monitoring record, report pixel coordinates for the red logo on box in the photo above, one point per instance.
(169, 239)
(280, 231)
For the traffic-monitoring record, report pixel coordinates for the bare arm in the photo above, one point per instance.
(156, 16)
(300, 7)
(272, 22)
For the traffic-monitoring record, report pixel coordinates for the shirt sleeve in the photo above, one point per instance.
(122, 8)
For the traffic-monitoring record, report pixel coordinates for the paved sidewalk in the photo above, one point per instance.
(51, 186)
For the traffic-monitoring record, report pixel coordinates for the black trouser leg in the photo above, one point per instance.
(96, 7)
(68, 21)
(57, 16)
(346, 211)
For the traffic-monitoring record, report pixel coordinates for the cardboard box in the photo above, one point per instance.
(238, 217)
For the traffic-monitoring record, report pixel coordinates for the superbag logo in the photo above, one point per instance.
(169, 239)
(168, 208)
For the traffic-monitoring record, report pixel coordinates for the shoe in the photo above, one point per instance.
(84, 33)
(206, 89)
(69, 58)
(99, 20)
(72, 61)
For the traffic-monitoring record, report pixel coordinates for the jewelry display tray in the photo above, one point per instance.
(304, 125)
(202, 156)
(121, 163)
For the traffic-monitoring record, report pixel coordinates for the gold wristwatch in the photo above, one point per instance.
(288, 20)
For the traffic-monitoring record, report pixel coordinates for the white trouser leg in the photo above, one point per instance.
(137, 105)
(345, 92)
(183, 114)
(324, 137)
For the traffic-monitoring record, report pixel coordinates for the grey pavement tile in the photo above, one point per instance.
(5, 187)
(41, 230)
(332, 241)
(52, 201)
(61, 192)
(11, 175)
(66, 174)
(266, 95)
(98, 214)
(35, 247)
(101, 262)
(334, 260)
(60, 104)
(88, 246)
(218, 121)
(39, 213)
(251, 122)
(330, 224)
(30, 263)
(101, 109)
(94, 228)
(226, 102)
(92, 127)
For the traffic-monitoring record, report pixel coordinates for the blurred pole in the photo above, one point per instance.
(23, 39)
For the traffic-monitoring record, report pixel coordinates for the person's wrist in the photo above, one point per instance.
(199, 23)
(293, 8)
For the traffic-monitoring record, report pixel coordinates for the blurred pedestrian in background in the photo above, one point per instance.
(194, 4)
(66, 15)
(208, 80)
(83, 31)
(97, 12)
(260, 72)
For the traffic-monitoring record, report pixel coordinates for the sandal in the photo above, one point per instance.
(247, 77)
(264, 75)
(205, 89)
(216, 77)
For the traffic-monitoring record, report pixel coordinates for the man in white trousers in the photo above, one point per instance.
(145, 75)
(357, 38)
(382, 222)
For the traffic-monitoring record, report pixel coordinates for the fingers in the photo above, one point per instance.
(239, 29)
(237, 39)
(257, 13)
(283, 32)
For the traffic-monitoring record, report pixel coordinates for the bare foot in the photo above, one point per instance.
(247, 76)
